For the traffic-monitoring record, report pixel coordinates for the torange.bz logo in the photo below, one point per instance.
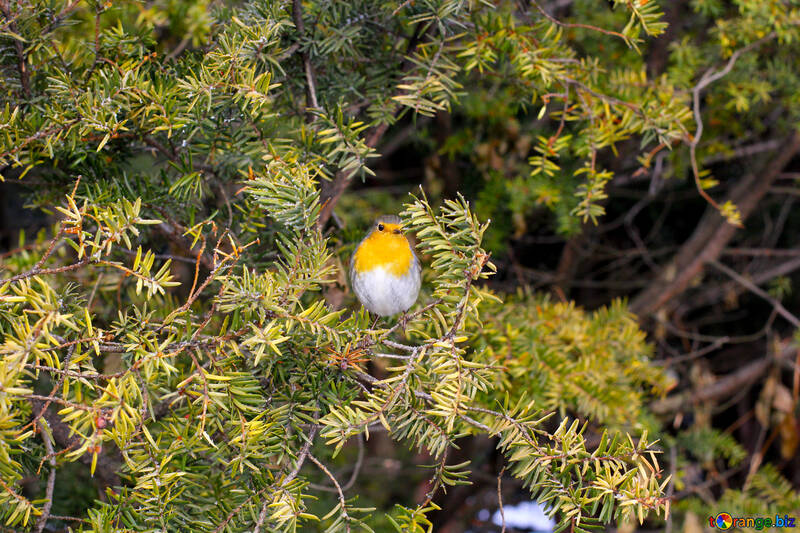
(723, 521)
(726, 521)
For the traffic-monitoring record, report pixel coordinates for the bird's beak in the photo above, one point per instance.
(398, 231)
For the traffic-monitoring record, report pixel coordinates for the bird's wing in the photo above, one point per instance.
(417, 266)
(352, 273)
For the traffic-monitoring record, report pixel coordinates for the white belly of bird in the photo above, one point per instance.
(385, 294)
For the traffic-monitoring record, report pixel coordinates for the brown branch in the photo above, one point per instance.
(56, 388)
(13, 494)
(758, 291)
(98, 10)
(41, 271)
(713, 294)
(301, 458)
(17, 146)
(239, 508)
(262, 516)
(722, 388)
(500, 500)
(356, 468)
(557, 22)
(339, 491)
(331, 191)
(713, 233)
(743, 151)
(763, 252)
(172, 231)
(178, 49)
(311, 78)
(51, 482)
(195, 294)
(293, 474)
(707, 79)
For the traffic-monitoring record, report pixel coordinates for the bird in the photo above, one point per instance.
(385, 273)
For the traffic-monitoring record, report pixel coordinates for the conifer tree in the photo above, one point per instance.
(178, 340)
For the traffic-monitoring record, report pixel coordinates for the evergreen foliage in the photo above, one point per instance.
(176, 333)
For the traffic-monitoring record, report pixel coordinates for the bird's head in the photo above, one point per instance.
(387, 227)
(385, 245)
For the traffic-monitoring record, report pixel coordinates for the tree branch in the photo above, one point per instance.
(758, 291)
(311, 78)
(722, 388)
(500, 499)
(713, 234)
(707, 79)
(331, 191)
(301, 458)
(51, 482)
(342, 503)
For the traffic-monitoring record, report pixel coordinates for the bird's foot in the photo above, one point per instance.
(403, 322)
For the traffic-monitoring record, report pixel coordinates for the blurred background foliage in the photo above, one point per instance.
(183, 183)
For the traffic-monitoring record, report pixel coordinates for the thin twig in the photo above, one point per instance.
(713, 233)
(557, 22)
(67, 361)
(359, 463)
(342, 502)
(262, 516)
(180, 48)
(51, 480)
(694, 354)
(238, 508)
(301, 458)
(331, 191)
(743, 151)
(45, 271)
(707, 79)
(311, 79)
(762, 252)
(356, 468)
(500, 499)
(392, 356)
(722, 387)
(749, 285)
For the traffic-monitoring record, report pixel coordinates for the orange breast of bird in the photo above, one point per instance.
(390, 251)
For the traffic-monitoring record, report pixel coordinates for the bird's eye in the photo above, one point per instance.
(380, 227)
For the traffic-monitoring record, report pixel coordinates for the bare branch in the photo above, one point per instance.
(51, 481)
(500, 499)
(301, 458)
(707, 79)
(342, 503)
(752, 287)
(722, 388)
(713, 233)
(311, 78)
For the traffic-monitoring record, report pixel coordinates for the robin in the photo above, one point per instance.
(384, 272)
